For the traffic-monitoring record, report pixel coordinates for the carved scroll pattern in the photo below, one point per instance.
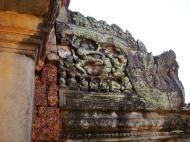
(89, 66)
(98, 57)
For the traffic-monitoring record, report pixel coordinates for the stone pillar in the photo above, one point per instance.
(16, 97)
(21, 44)
(17, 59)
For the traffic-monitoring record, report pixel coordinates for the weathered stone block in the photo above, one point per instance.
(53, 100)
(52, 95)
(46, 124)
(16, 97)
(49, 74)
(52, 90)
(51, 50)
(41, 95)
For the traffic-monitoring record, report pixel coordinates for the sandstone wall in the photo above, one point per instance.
(16, 97)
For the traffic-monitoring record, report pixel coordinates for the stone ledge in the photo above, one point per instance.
(39, 8)
(25, 26)
(123, 125)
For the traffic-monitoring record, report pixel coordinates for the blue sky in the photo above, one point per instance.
(160, 24)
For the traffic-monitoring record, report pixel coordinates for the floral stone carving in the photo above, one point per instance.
(97, 57)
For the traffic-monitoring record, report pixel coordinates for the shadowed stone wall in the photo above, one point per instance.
(16, 97)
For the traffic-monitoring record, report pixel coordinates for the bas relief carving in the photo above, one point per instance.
(111, 88)
(95, 56)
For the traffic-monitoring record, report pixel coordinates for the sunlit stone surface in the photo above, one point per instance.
(16, 97)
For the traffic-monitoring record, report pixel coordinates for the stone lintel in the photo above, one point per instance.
(25, 24)
(39, 8)
(19, 33)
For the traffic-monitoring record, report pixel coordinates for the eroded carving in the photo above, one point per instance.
(103, 58)
(93, 66)
(78, 19)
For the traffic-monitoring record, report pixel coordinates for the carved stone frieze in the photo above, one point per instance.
(98, 57)
(124, 125)
(112, 89)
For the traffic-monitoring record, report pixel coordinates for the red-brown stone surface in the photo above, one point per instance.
(45, 124)
(53, 100)
(41, 95)
(46, 113)
(52, 90)
(52, 95)
(49, 74)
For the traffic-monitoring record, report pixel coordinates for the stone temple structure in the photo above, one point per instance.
(65, 77)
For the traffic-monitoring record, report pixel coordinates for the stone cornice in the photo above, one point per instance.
(48, 24)
(25, 26)
(38, 8)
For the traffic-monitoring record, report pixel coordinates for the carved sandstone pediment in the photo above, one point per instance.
(110, 87)
(101, 58)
